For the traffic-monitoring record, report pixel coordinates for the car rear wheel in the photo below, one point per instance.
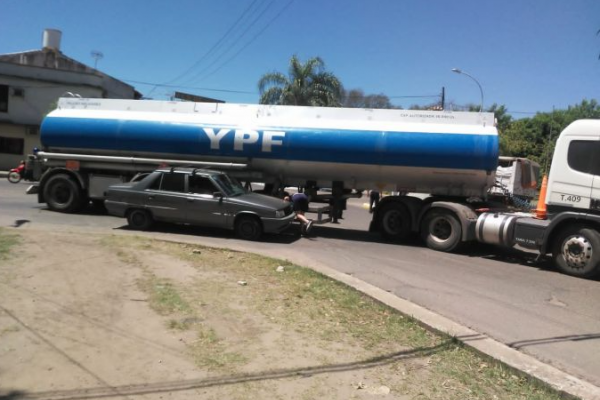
(248, 228)
(139, 219)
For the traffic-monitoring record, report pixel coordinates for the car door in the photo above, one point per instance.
(166, 197)
(202, 207)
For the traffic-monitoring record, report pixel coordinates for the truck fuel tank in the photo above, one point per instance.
(496, 228)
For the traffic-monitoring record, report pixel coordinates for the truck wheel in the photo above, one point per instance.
(441, 230)
(248, 228)
(576, 252)
(63, 194)
(140, 220)
(394, 222)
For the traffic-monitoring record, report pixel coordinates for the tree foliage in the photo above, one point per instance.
(307, 84)
(535, 137)
(356, 98)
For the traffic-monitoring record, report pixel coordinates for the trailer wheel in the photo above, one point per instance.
(394, 222)
(139, 219)
(576, 252)
(248, 228)
(63, 194)
(441, 230)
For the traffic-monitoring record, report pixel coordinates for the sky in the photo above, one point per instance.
(529, 55)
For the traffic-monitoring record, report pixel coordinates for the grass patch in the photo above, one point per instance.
(164, 297)
(7, 242)
(323, 313)
(10, 329)
(211, 352)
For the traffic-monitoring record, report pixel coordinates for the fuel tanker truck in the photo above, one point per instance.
(452, 157)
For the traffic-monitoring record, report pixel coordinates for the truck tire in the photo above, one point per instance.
(248, 228)
(139, 219)
(63, 194)
(394, 222)
(441, 230)
(576, 252)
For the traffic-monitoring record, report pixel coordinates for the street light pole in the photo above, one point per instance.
(459, 71)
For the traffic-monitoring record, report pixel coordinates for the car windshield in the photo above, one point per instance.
(230, 185)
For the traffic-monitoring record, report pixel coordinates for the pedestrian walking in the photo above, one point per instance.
(374, 197)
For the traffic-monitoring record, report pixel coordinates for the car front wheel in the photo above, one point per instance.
(248, 228)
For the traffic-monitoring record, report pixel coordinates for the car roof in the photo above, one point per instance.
(191, 171)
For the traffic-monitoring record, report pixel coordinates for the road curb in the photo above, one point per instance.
(551, 376)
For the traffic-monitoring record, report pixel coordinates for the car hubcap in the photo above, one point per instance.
(138, 219)
(248, 229)
(577, 251)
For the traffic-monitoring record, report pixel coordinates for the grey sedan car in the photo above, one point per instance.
(198, 197)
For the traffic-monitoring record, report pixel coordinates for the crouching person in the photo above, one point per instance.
(300, 205)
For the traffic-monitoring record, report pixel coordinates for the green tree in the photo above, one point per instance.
(503, 118)
(535, 137)
(307, 84)
(356, 98)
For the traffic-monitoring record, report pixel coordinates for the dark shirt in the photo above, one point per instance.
(300, 201)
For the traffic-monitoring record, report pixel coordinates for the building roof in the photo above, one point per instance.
(54, 59)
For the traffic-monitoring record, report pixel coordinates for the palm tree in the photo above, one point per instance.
(307, 84)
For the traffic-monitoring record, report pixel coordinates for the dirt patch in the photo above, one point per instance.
(85, 316)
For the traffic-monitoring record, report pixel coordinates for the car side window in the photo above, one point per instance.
(155, 185)
(173, 182)
(201, 185)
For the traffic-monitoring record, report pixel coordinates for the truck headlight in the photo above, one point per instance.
(279, 213)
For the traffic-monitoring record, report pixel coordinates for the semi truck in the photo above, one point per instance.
(452, 157)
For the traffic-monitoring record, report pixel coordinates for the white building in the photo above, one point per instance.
(30, 84)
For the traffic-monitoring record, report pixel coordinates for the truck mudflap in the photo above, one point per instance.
(33, 189)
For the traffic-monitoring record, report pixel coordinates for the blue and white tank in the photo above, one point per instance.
(437, 152)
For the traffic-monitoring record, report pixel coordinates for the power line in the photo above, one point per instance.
(221, 39)
(163, 85)
(199, 76)
(437, 96)
(217, 43)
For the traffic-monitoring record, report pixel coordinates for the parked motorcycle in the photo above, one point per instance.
(16, 174)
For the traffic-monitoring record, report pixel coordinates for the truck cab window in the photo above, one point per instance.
(581, 156)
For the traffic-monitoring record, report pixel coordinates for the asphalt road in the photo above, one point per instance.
(506, 295)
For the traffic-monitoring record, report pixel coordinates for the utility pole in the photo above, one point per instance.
(97, 55)
(443, 98)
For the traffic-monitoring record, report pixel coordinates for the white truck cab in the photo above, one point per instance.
(574, 180)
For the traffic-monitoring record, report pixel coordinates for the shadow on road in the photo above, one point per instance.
(568, 338)
(289, 236)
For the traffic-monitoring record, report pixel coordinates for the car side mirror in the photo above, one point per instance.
(217, 195)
